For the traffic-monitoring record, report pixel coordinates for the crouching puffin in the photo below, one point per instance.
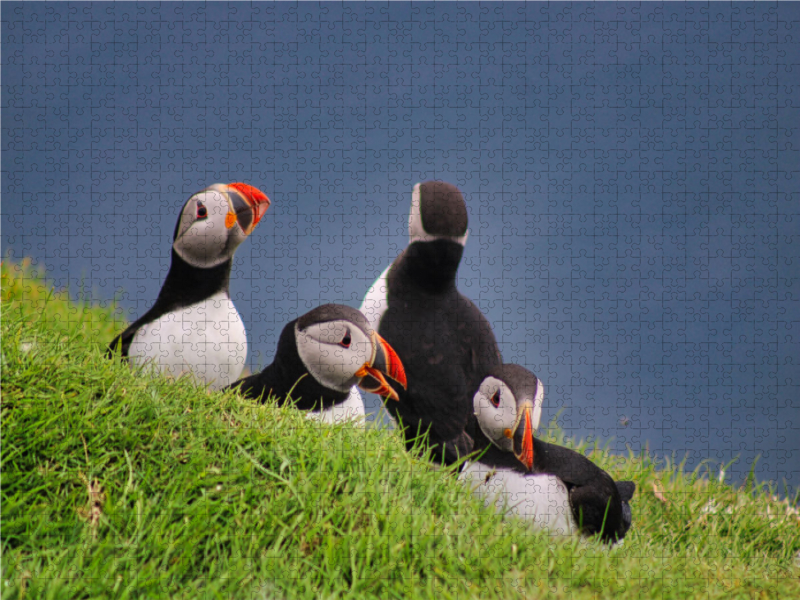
(559, 489)
(193, 327)
(447, 346)
(320, 357)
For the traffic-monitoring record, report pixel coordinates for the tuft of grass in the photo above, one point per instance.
(26, 297)
(118, 485)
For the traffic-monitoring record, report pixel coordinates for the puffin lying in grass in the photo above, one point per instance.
(559, 489)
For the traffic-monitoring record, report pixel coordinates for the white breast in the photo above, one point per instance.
(375, 303)
(351, 409)
(542, 499)
(206, 339)
(377, 300)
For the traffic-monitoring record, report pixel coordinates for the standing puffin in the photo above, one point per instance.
(193, 327)
(559, 489)
(447, 346)
(320, 357)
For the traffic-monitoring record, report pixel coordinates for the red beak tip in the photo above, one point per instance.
(253, 194)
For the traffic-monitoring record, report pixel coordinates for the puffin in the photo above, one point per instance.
(321, 356)
(193, 327)
(445, 343)
(559, 489)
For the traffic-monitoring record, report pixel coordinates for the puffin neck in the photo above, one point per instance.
(432, 266)
(186, 285)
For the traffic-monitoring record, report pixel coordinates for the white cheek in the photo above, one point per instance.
(495, 420)
(203, 245)
(234, 236)
(330, 364)
(208, 242)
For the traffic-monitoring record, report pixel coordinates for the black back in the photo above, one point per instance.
(445, 343)
(185, 285)
(288, 373)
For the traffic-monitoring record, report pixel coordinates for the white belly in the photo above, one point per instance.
(542, 499)
(206, 339)
(375, 303)
(351, 409)
(376, 300)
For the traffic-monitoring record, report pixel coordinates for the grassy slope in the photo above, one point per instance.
(117, 486)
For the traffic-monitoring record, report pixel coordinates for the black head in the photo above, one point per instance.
(626, 490)
(438, 211)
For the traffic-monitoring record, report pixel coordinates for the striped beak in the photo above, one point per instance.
(249, 205)
(523, 437)
(385, 363)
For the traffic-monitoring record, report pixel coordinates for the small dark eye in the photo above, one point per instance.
(495, 400)
(202, 212)
(345, 343)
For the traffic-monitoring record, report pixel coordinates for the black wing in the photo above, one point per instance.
(573, 468)
(184, 285)
(122, 341)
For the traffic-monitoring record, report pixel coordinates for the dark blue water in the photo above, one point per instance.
(631, 171)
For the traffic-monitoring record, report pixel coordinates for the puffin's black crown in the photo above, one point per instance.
(334, 312)
(520, 380)
(442, 209)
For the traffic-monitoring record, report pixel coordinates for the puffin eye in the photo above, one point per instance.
(202, 211)
(495, 400)
(345, 343)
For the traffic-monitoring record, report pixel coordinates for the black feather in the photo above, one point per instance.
(445, 343)
(287, 371)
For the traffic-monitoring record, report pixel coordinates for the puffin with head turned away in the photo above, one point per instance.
(559, 489)
(193, 327)
(447, 346)
(320, 357)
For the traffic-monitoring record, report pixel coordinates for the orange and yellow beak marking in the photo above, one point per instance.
(385, 362)
(230, 220)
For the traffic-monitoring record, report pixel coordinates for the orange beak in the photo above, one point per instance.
(254, 207)
(384, 363)
(523, 438)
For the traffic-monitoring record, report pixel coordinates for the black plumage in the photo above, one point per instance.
(446, 344)
(288, 373)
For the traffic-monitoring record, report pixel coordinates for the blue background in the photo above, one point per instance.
(631, 174)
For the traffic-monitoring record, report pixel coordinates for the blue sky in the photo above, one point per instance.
(630, 172)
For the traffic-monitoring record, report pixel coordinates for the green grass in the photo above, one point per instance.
(118, 486)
